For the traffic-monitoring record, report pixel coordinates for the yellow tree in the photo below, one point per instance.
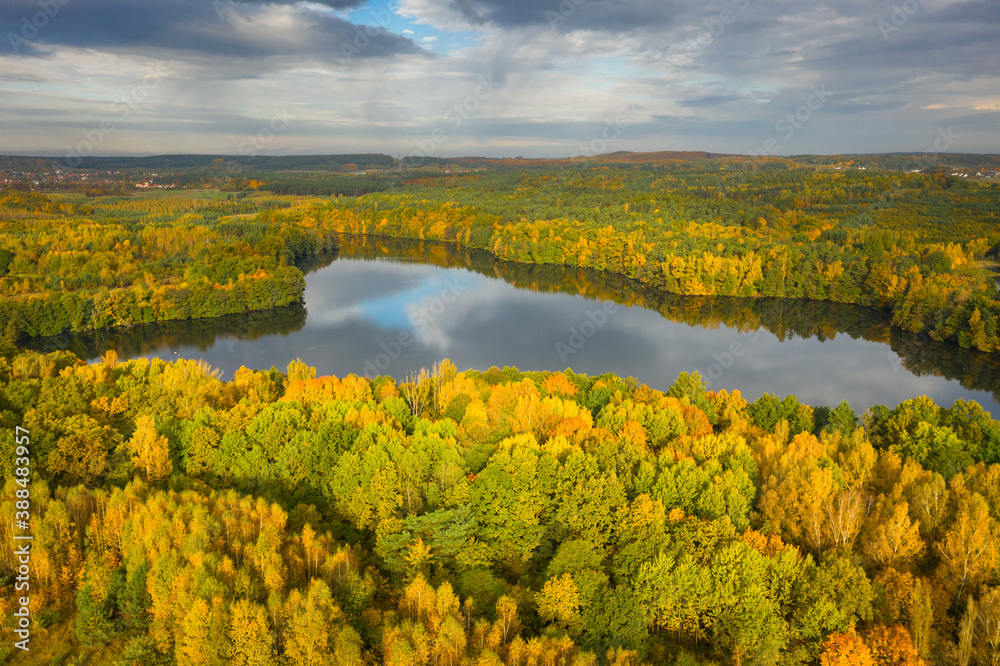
(988, 628)
(560, 602)
(449, 648)
(966, 631)
(250, 632)
(309, 620)
(150, 451)
(845, 513)
(203, 636)
(968, 550)
(921, 616)
(507, 616)
(893, 539)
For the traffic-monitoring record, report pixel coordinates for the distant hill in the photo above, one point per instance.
(941, 162)
(173, 162)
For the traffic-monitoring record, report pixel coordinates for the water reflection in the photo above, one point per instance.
(785, 319)
(197, 334)
(393, 306)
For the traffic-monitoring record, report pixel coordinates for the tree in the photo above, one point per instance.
(692, 387)
(250, 632)
(842, 419)
(510, 497)
(893, 539)
(198, 644)
(921, 617)
(417, 389)
(134, 600)
(150, 451)
(832, 596)
(93, 621)
(966, 632)
(451, 641)
(347, 648)
(309, 619)
(987, 632)
(81, 453)
(845, 648)
(559, 602)
(507, 616)
(891, 646)
(968, 550)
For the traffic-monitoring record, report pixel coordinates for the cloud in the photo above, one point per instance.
(560, 15)
(684, 74)
(710, 100)
(193, 29)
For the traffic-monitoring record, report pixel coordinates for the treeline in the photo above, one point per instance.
(912, 245)
(342, 186)
(134, 262)
(785, 318)
(918, 246)
(83, 311)
(257, 162)
(497, 517)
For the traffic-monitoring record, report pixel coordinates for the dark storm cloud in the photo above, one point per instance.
(196, 28)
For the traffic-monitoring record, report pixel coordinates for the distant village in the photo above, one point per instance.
(70, 179)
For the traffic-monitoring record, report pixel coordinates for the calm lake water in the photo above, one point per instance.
(392, 307)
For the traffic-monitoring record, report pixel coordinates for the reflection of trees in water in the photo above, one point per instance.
(785, 318)
(314, 262)
(201, 333)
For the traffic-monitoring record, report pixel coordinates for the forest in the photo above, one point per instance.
(488, 517)
(117, 262)
(496, 516)
(921, 247)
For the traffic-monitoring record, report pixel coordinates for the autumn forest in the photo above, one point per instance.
(493, 516)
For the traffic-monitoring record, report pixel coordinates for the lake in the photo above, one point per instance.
(392, 307)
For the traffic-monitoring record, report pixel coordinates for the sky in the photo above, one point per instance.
(498, 78)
